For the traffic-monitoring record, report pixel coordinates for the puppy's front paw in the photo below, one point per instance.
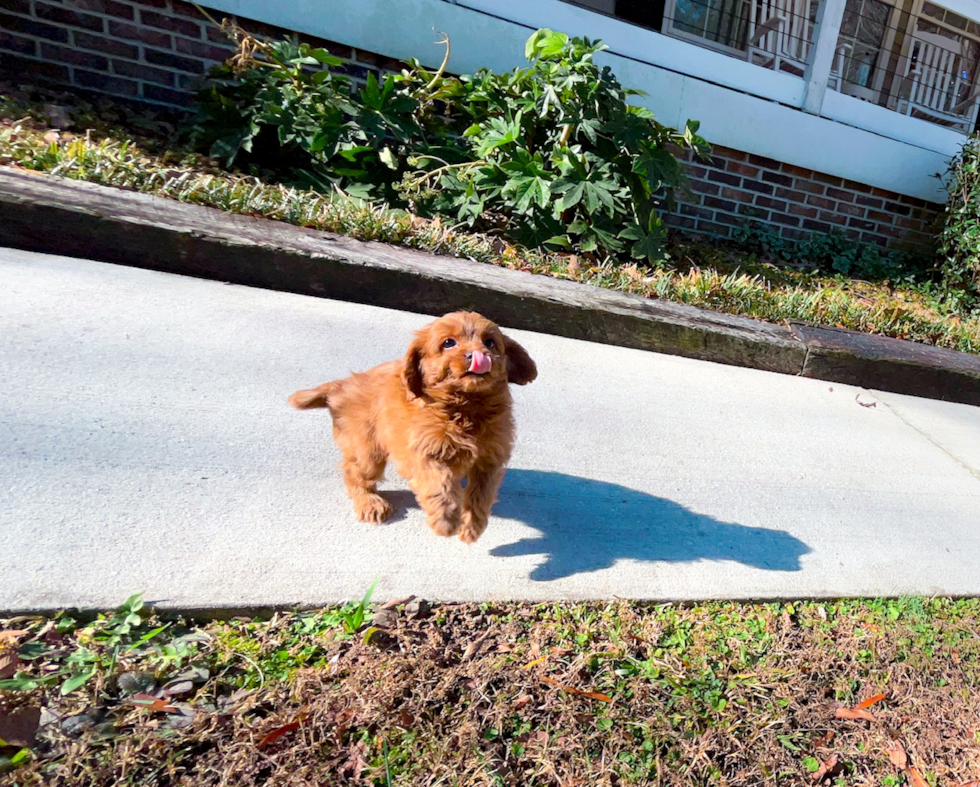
(372, 508)
(444, 527)
(471, 530)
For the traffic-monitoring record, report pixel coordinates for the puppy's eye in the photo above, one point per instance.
(448, 344)
(489, 343)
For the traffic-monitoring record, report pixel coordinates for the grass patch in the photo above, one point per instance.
(140, 153)
(502, 694)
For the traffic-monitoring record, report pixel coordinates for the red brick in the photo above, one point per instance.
(737, 195)
(704, 187)
(809, 186)
(32, 70)
(107, 7)
(878, 215)
(143, 72)
(816, 226)
(779, 180)
(17, 24)
(723, 177)
(840, 194)
(136, 33)
(802, 210)
(742, 169)
(861, 224)
(164, 22)
(22, 46)
(755, 185)
(868, 202)
(105, 84)
(201, 49)
(16, 6)
(164, 95)
(64, 54)
(768, 202)
(821, 202)
(831, 180)
(782, 218)
(762, 161)
(832, 218)
(176, 62)
(789, 194)
(65, 16)
(719, 204)
(105, 45)
(850, 210)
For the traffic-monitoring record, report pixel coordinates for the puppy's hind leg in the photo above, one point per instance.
(361, 476)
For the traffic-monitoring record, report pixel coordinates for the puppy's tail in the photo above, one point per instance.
(314, 397)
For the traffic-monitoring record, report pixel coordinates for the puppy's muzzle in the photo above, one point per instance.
(479, 362)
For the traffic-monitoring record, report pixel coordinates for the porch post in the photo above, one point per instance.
(830, 14)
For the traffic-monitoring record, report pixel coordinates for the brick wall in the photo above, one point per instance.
(156, 51)
(736, 186)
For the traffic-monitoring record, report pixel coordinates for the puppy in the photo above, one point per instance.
(442, 413)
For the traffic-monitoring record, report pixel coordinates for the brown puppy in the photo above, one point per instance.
(443, 414)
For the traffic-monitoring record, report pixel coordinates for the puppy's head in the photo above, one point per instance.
(464, 353)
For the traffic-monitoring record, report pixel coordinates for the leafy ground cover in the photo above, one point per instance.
(131, 149)
(872, 692)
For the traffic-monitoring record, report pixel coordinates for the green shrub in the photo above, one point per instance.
(959, 241)
(551, 155)
(554, 155)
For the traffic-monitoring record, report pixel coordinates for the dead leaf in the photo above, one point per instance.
(823, 741)
(397, 602)
(51, 137)
(916, 779)
(574, 269)
(179, 687)
(474, 647)
(897, 754)
(150, 702)
(869, 702)
(356, 761)
(853, 713)
(9, 664)
(10, 636)
(18, 727)
(974, 783)
(592, 695)
(523, 700)
(828, 769)
(269, 738)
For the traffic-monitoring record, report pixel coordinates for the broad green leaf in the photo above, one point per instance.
(76, 681)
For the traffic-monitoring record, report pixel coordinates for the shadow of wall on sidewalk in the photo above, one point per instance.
(588, 525)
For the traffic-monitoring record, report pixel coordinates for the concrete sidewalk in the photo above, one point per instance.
(145, 444)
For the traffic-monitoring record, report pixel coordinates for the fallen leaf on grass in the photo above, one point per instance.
(269, 738)
(854, 713)
(523, 700)
(897, 754)
(51, 137)
(869, 702)
(17, 728)
(573, 265)
(10, 636)
(828, 769)
(592, 695)
(916, 779)
(974, 783)
(823, 741)
(151, 703)
(9, 664)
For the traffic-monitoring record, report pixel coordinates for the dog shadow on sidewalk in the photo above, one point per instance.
(588, 525)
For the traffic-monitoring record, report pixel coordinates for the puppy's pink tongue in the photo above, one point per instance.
(480, 363)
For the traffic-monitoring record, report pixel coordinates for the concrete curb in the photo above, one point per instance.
(73, 218)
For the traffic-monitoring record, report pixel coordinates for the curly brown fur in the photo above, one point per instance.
(439, 413)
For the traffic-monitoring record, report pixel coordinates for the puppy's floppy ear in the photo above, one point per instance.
(521, 370)
(412, 371)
